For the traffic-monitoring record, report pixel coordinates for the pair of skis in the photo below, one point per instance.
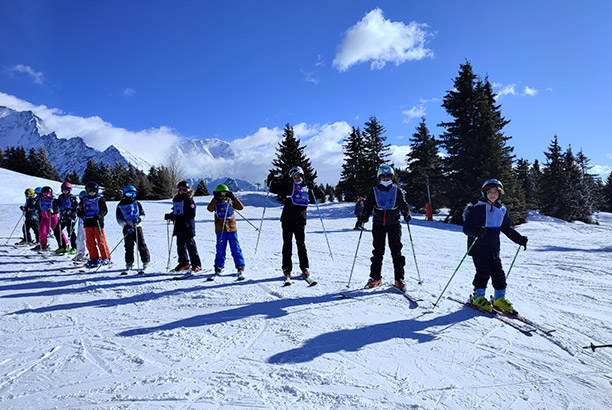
(287, 280)
(413, 300)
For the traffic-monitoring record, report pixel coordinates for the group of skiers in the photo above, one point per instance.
(483, 223)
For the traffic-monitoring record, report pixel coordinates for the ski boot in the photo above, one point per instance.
(180, 267)
(92, 263)
(287, 274)
(240, 271)
(105, 262)
(22, 242)
(478, 300)
(196, 269)
(72, 251)
(399, 283)
(373, 282)
(305, 273)
(61, 251)
(500, 302)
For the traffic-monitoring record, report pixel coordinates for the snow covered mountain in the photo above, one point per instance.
(212, 147)
(66, 154)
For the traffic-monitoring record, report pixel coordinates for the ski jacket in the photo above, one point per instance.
(129, 212)
(183, 214)
(31, 213)
(292, 196)
(358, 209)
(67, 207)
(388, 203)
(47, 205)
(92, 209)
(221, 208)
(495, 219)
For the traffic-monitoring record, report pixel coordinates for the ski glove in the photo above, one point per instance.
(523, 242)
(130, 231)
(169, 216)
(480, 231)
(407, 217)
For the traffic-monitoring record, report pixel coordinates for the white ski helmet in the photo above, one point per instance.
(384, 170)
(493, 182)
(296, 171)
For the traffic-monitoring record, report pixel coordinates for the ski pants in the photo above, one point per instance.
(379, 235)
(49, 222)
(299, 231)
(489, 267)
(138, 238)
(187, 250)
(28, 225)
(223, 238)
(69, 225)
(96, 240)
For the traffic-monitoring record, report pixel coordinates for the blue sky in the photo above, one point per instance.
(239, 71)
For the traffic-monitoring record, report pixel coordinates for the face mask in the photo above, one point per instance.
(386, 183)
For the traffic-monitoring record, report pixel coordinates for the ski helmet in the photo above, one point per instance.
(493, 182)
(83, 194)
(92, 186)
(384, 170)
(29, 193)
(66, 186)
(46, 191)
(129, 191)
(183, 184)
(296, 171)
(221, 188)
(37, 190)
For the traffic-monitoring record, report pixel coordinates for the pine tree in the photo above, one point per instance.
(2, 158)
(355, 172)
(17, 160)
(475, 144)
(376, 151)
(92, 173)
(607, 194)
(73, 178)
(201, 189)
(161, 183)
(525, 176)
(40, 166)
(289, 153)
(424, 168)
(590, 189)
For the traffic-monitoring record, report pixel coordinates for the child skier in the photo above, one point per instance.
(293, 218)
(482, 224)
(92, 210)
(81, 249)
(129, 215)
(48, 208)
(183, 215)
(30, 218)
(223, 205)
(358, 211)
(388, 202)
(67, 214)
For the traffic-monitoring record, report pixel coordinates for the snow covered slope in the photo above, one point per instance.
(74, 339)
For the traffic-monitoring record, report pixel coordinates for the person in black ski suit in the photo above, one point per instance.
(358, 211)
(30, 215)
(129, 215)
(67, 215)
(482, 223)
(295, 194)
(183, 215)
(388, 202)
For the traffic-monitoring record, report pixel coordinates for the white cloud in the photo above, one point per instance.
(128, 92)
(417, 111)
(601, 170)
(381, 41)
(530, 91)
(505, 90)
(313, 76)
(36, 76)
(398, 155)
(549, 89)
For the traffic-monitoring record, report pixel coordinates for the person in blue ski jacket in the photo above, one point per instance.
(482, 223)
(183, 216)
(67, 215)
(224, 204)
(30, 215)
(92, 209)
(295, 193)
(388, 203)
(129, 215)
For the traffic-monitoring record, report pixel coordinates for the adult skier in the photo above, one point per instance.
(223, 204)
(482, 223)
(183, 215)
(67, 215)
(388, 203)
(129, 215)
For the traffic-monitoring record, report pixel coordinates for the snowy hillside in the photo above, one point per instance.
(78, 340)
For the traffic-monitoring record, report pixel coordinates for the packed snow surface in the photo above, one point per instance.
(85, 340)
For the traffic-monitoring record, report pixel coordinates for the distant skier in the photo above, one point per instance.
(129, 215)
(93, 209)
(223, 205)
(30, 216)
(295, 192)
(387, 201)
(482, 222)
(81, 248)
(67, 215)
(358, 211)
(48, 208)
(183, 215)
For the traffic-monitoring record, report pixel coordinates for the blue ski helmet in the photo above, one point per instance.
(384, 170)
(296, 171)
(37, 190)
(129, 191)
(83, 194)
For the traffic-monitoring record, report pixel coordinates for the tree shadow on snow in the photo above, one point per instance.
(564, 249)
(353, 340)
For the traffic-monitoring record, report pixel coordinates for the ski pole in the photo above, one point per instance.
(137, 248)
(514, 259)
(169, 244)
(111, 252)
(593, 347)
(354, 259)
(9, 238)
(246, 220)
(262, 218)
(420, 281)
(323, 225)
(103, 239)
(453, 275)
(224, 219)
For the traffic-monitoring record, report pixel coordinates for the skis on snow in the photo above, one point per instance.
(517, 324)
(307, 279)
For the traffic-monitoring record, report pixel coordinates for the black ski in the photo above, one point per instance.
(520, 327)
(185, 276)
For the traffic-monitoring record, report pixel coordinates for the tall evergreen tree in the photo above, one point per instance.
(73, 178)
(40, 166)
(355, 169)
(161, 183)
(92, 173)
(289, 153)
(376, 150)
(17, 160)
(201, 189)
(475, 144)
(2, 158)
(424, 168)
(607, 194)
(525, 177)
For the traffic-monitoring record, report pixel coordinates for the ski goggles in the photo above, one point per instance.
(183, 189)
(130, 194)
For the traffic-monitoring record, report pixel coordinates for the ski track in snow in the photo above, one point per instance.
(83, 340)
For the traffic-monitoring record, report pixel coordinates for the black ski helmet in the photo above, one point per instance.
(92, 186)
(182, 184)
